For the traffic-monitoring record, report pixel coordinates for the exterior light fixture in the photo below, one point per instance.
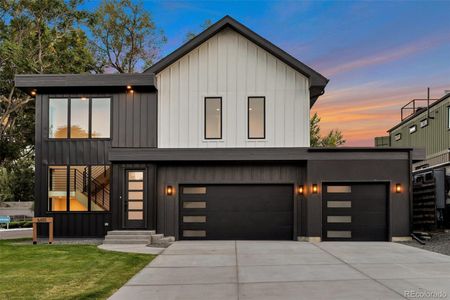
(314, 189)
(128, 87)
(33, 93)
(300, 190)
(131, 91)
(169, 190)
(398, 188)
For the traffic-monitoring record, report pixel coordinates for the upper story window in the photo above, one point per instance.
(213, 118)
(398, 136)
(413, 129)
(79, 118)
(256, 117)
(424, 123)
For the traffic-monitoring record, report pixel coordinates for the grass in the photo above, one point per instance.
(64, 271)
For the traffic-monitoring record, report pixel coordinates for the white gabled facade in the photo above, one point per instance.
(230, 66)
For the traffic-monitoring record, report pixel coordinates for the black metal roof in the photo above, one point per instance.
(78, 82)
(317, 81)
(418, 113)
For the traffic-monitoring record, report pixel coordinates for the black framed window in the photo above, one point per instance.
(398, 137)
(256, 115)
(80, 118)
(58, 112)
(423, 123)
(412, 129)
(213, 118)
(448, 117)
(79, 188)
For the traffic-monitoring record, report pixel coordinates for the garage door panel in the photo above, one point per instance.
(241, 212)
(359, 215)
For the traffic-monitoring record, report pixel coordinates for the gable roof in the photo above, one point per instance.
(317, 81)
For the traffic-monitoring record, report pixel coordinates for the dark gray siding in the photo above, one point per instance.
(134, 120)
(388, 171)
(214, 173)
(133, 124)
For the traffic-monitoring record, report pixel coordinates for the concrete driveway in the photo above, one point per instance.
(291, 270)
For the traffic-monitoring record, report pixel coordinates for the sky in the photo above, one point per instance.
(378, 55)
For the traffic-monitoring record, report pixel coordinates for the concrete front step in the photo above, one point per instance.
(128, 242)
(127, 237)
(131, 232)
(163, 242)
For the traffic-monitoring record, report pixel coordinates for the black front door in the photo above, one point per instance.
(134, 200)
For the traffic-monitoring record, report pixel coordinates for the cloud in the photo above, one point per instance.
(387, 55)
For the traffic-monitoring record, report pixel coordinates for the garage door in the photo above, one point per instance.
(223, 212)
(355, 212)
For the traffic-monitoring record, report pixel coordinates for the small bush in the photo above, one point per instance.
(19, 224)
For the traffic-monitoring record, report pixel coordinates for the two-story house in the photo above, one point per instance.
(212, 142)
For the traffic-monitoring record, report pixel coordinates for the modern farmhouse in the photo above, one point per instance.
(212, 142)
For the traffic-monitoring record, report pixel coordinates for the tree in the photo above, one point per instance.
(333, 139)
(125, 37)
(191, 34)
(36, 37)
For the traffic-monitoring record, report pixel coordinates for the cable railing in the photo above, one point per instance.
(79, 182)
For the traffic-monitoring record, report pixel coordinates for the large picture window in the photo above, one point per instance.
(256, 118)
(84, 117)
(213, 118)
(79, 188)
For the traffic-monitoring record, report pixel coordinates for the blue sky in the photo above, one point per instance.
(378, 55)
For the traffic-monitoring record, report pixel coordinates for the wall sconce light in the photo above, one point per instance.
(398, 188)
(300, 190)
(128, 87)
(169, 190)
(314, 189)
(131, 91)
(33, 93)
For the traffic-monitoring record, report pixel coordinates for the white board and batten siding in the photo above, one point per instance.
(230, 66)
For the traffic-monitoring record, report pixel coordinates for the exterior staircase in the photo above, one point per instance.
(138, 237)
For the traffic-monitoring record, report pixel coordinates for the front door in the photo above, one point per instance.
(134, 200)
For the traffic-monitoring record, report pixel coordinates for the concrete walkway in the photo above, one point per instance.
(291, 270)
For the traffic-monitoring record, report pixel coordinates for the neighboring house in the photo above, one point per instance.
(212, 142)
(425, 124)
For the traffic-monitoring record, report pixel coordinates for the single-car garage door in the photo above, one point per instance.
(355, 212)
(223, 212)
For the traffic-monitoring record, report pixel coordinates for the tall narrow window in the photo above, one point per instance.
(448, 114)
(101, 114)
(79, 118)
(57, 188)
(57, 116)
(213, 118)
(256, 118)
(100, 179)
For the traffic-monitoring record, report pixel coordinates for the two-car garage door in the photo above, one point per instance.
(242, 212)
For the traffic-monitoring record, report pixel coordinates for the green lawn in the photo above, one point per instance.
(64, 271)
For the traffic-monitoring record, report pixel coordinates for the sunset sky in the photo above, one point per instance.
(378, 55)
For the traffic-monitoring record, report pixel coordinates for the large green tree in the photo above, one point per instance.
(333, 138)
(36, 37)
(124, 36)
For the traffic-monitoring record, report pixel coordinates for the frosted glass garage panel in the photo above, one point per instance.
(339, 189)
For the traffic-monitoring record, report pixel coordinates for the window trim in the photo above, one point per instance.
(221, 119)
(399, 137)
(69, 121)
(248, 118)
(413, 128)
(68, 211)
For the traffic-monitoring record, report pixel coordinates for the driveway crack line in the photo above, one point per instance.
(359, 271)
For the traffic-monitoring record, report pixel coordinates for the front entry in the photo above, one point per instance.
(134, 202)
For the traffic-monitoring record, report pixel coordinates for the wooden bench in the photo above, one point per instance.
(5, 220)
